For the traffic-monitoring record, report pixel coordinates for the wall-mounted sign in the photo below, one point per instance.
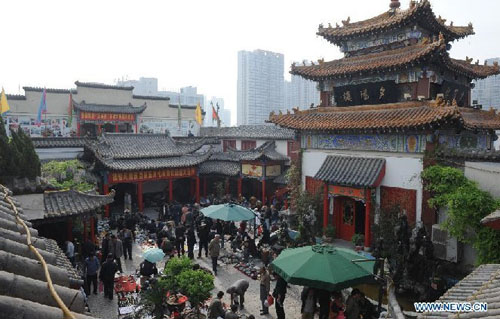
(358, 193)
(251, 170)
(92, 116)
(126, 177)
(273, 170)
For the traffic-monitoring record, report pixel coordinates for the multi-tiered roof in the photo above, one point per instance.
(396, 74)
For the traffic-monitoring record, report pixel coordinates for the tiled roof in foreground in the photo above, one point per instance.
(388, 20)
(71, 202)
(23, 286)
(482, 285)
(62, 142)
(351, 171)
(135, 164)
(383, 117)
(265, 151)
(224, 168)
(266, 131)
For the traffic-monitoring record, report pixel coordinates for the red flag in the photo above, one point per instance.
(215, 116)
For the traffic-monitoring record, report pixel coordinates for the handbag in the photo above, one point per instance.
(270, 300)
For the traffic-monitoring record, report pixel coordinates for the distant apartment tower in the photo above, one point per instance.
(260, 85)
(187, 96)
(224, 114)
(300, 93)
(487, 91)
(143, 86)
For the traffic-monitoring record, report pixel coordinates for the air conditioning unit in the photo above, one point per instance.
(445, 247)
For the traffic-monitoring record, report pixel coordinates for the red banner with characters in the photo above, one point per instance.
(128, 177)
(121, 117)
(358, 193)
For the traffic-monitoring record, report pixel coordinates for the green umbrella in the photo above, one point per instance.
(323, 267)
(228, 212)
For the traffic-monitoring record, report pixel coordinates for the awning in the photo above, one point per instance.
(492, 220)
(352, 171)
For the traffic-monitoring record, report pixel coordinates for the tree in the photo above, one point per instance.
(33, 166)
(17, 162)
(196, 285)
(5, 155)
(173, 268)
(465, 206)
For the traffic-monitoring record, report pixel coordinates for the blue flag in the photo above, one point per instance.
(42, 109)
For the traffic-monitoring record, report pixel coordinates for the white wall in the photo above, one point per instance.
(282, 147)
(402, 170)
(486, 175)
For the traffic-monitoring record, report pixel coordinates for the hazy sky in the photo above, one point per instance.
(190, 42)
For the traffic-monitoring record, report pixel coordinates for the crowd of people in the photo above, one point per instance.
(178, 226)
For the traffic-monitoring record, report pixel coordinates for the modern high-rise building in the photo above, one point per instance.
(143, 86)
(300, 93)
(187, 96)
(260, 85)
(224, 114)
(487, 91)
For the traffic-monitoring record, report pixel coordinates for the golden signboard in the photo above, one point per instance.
(273, 170)
(93, 116)
(126, 177)
(251, 170)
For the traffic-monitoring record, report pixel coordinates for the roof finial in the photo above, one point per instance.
(395, 4)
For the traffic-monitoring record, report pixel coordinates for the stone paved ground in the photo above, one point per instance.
(104, 308)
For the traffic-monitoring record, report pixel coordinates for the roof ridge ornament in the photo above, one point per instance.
(394, 5)
(346, 22)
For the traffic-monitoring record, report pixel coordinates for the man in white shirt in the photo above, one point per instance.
(70, 252)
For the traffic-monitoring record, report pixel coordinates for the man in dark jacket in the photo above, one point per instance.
(203, 231)
(148, 268)
(279, 294)
(215, 310)
(105, 248)
(179, 239)
(91, 268)
(191, 241)
(238, 288)
(107, 276)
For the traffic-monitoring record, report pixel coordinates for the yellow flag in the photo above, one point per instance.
(4, 105)
(199, 118)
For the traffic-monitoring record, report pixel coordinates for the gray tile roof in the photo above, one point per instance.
(71, 202)
(107, 108)
(482, 285)
(351, 171)
(155, 163)
(103, 86)
(151, 97)
(265, 131)
(265, 151)
(48, 90)
(282, 179)
(136, 146)
(22, 280)
(224, 168)
(50, 142)
(472, 155)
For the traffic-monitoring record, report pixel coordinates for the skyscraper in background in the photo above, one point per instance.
(487, 91)
(143, 86)
(224, 114)
(300, 93)
(260, 85)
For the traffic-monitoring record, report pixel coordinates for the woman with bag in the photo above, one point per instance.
(265, 287)
(336, 306)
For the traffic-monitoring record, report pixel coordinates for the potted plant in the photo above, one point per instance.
(329, 234)
(358, 241)
(197, 286)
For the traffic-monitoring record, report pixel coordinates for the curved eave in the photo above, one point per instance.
(385, 22)
(473, 71)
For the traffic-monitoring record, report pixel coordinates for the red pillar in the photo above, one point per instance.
(106, 207)
(78, 128)
(325, 206)
(84, 231)
(191, 188)
(240, 182)
(99, 129)
(136, 130)
(69, 224)
(263, 192)
(197, 189)
(204, 186)
(367, 218)
(139, 197)
(92, 226)
(116, 127)
(170, 190)
(286, 203)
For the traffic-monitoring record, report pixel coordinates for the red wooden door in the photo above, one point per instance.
(346, 218)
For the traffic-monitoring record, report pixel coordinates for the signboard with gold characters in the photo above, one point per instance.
(251, 170)
(122, 177)
(92, 116)
(273, 170)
